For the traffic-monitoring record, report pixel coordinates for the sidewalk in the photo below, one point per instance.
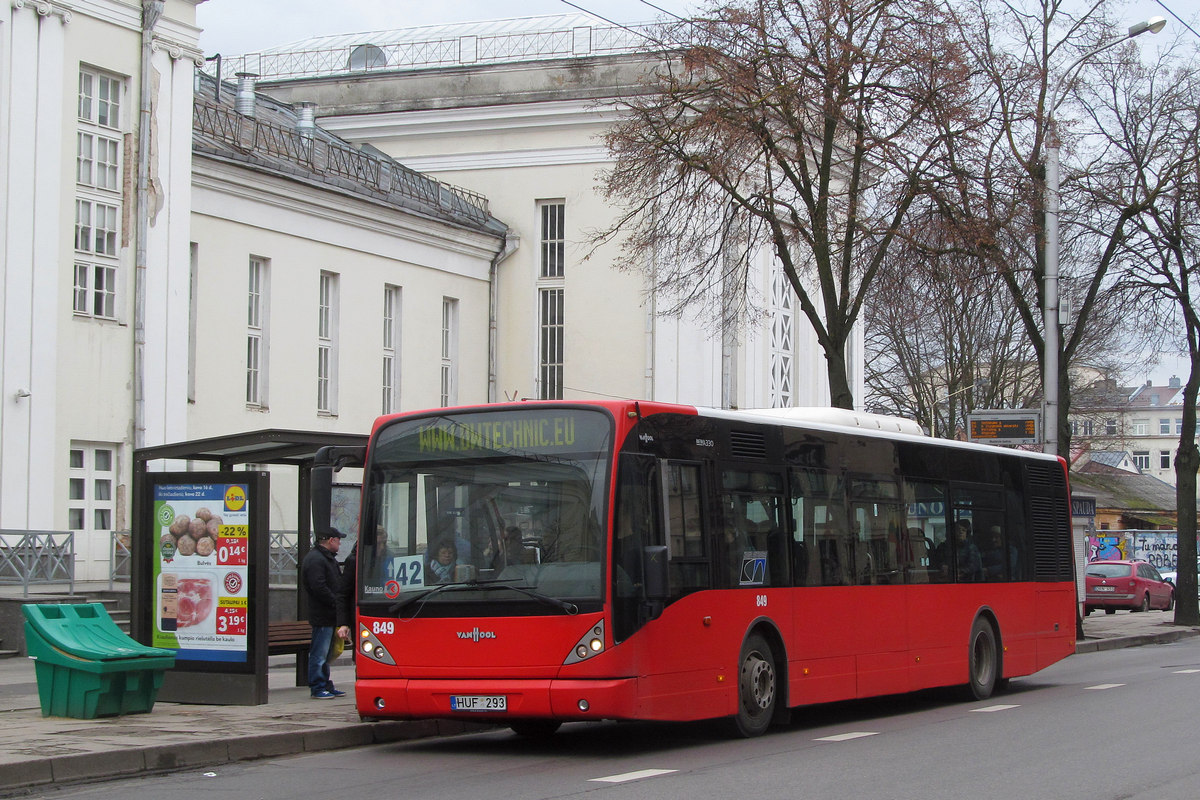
(36, 750)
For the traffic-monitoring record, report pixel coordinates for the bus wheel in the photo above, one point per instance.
(535, 728)
(983, 661)
(758, 689)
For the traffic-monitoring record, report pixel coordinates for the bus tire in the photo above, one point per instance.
(758, 688)
(983, 661)
(535, 728)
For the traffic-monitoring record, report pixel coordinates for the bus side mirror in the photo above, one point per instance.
(654, 570)
(327, 461)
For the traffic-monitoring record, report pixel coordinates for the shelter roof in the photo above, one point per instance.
(269, 446)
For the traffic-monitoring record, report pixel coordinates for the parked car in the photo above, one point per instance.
(1171, 577)
(1135, 585)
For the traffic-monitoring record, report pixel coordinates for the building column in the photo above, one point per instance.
(33, 203)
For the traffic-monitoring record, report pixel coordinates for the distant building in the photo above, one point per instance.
(1144, 421)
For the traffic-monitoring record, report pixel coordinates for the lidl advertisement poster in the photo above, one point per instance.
(200, 572)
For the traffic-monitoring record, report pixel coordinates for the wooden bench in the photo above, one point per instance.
(290, 636)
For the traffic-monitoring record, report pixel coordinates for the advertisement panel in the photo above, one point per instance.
(200, 570)
(200, 583)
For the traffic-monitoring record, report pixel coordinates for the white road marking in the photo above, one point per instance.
(845, 737)
(632, 776)
(1186, 671)
(995, 708)
(1104, 686)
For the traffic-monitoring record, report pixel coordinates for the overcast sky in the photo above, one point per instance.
(233, 27)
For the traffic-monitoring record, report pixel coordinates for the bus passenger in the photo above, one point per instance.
(442, 561)
(512, 550)
(999, 562)
(970, 563)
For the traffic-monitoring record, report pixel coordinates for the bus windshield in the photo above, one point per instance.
(487, 513)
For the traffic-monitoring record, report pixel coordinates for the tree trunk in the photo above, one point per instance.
(1187, 460)
(840, 395)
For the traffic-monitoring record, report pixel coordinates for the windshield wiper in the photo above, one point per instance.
(570, 608)
(563, 605)
(443, 587)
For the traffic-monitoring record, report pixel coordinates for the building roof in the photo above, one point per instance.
(273, 140)
(1150, 396)
(1104, 462)
(456, 44)
(1141, 496)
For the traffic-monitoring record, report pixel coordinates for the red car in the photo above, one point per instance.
(1135, 585)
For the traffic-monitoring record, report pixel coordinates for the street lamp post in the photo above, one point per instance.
(1050, 279)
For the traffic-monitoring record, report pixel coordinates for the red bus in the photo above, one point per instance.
(539, 562)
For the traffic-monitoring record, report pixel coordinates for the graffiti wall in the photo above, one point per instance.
(1108, 547)
(1160, 548)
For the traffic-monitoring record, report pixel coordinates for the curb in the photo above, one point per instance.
(83, 767)
(1118, 642)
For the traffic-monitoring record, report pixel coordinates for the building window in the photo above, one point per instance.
(449, 351)
(1164, 426)
(553, 239)
(391, 349)
(98, 197)
(91, 478)
(1110, 427)
(1179, 426)
(551, 299)
(256, 332)
(1164, 459)
(550, 375)
(1141, 427)
(98, 161)
(100, 99)
(95, 292)
(1141, 459)
(327, 344)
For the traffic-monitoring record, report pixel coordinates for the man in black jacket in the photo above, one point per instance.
(321, 578)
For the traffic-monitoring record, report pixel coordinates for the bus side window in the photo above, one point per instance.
(820, 556)
(929, 551)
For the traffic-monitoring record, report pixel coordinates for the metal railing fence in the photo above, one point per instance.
(33, 558)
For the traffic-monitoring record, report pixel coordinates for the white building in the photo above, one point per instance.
(515, 110)
(88, 369)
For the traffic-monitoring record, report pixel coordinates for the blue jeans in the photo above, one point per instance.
(318, 659)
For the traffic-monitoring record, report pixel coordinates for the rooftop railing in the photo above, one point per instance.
(466, 50)
(336, 158)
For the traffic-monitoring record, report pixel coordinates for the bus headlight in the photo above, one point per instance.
(589, 645)
(372, 647)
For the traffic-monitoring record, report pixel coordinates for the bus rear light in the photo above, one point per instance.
(590, 644)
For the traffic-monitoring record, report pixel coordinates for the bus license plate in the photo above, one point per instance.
(478, 702)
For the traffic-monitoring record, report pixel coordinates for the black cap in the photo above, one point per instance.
(331, 533)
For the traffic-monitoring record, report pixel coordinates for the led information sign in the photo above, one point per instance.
(1005, 426)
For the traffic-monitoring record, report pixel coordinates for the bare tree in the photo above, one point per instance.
(1152, 114)
(943, 340)
(808, 128)
(1035, 57)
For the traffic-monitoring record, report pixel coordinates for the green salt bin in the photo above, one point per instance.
(86, 666)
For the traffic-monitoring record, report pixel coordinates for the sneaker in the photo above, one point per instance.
(336, 692)
(323, 695)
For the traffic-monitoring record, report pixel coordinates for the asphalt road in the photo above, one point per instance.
(1112, 724)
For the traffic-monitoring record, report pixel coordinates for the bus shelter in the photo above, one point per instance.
(201, 556)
